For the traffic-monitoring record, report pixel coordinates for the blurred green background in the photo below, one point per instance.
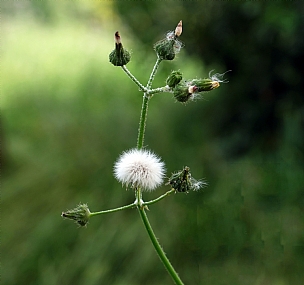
(67, 114)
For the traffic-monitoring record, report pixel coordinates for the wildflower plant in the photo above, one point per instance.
(140, 169)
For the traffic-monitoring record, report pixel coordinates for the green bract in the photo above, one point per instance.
(119, 56)
(181, 92)
(174, 78)
(165, 49)
(81, 214)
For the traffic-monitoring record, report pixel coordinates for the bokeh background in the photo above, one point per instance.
(67, 114)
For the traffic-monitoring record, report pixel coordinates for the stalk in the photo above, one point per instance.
(113, 210)
(141, 207)
(158, 248)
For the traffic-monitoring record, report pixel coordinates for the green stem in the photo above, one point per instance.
(142, 122)
(140, 205)
(112, 210)
(133, 78)
(159, 90)
(156, 65)
(158, 248)
(159, 198)
(144, 108)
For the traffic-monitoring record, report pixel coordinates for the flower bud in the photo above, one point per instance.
(174, 78)
(119, 56)
(168, 47)
(182, 181)
(81, 214)
(181, 93)
(184, 91)
(206, 84)
(165, 50)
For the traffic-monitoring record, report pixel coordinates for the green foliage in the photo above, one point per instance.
(67, 114)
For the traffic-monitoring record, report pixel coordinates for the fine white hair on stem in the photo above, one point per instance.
(218, 76)
(139, 168)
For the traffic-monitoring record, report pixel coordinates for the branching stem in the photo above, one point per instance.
(159, 198)
(134, 79)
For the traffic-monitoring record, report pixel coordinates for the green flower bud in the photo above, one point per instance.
(165, 50)
(206, 84)
(183, 92)
(119, 56)
(174, 78)
(81, 214)
(182, 181)
(168, 47)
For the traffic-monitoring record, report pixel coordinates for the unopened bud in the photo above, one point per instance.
(206, 84)
(81, 214)
(181, 92)
(174, 78)
(168, 47)
(165, 49)
(119, 56)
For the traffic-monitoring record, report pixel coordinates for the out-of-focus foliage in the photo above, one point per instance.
(67, 114)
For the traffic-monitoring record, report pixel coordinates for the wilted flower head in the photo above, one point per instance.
(139, 168)
(182, 181)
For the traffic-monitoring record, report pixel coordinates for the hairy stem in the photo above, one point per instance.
(158, 248)
(142, 122)
(159, 90)
(139, 204)
(159, 198)
(156, 65)
(113, 210)
(134, 79)
(144, 108)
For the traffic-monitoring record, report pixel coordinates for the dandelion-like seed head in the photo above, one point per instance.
(139, 169)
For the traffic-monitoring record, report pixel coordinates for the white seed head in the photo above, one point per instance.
(139, 168)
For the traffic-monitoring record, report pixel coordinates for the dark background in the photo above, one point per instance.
(67, 114)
